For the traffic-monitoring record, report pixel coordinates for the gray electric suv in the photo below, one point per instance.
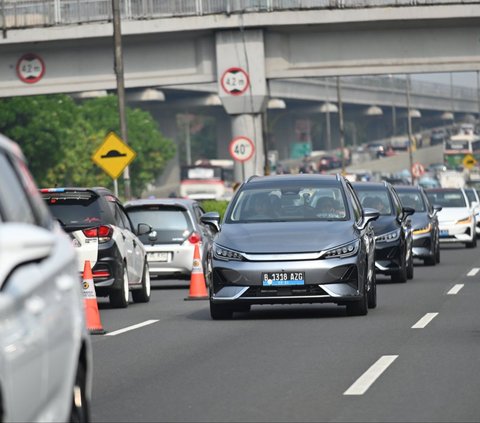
(292, 239)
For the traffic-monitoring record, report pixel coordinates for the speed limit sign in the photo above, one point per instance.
(242, 149)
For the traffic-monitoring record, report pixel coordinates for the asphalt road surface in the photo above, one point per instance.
(415, 358)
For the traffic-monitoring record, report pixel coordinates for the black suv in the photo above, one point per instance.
(102, 233)
(393, 231)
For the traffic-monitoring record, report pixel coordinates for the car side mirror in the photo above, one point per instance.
(211, 219)
(369, 215)
(143, 228)
(408, 211)
(437, 208)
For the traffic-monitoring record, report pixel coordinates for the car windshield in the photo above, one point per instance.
(75, 209)
(375, 199)
(412, 199)
(470, 195)
(171, 224)
(289, 203)
(447, 198)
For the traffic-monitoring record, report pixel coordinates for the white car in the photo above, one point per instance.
(457, 222)
(474, 200)
(45, 350)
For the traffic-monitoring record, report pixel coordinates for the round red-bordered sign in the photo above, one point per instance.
(30, 68)
(242, 149)
(417, 170)
(235, 81)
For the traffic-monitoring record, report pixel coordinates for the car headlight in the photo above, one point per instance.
(465, 221)
(226, 254)
(423, 230)
(344, 250)
(389, 236)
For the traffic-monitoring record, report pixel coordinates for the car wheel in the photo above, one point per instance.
(410, 266)
(80, 410)
(142, 295)
(437, 253)
(400, 275)
(372, 294)
(220, 311)
(119, 297)
(473, 243)
(358, 308)
(430, 261)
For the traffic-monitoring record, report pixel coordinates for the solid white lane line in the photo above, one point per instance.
(424, 321)
(456, 288)
(361, 385)
(129, 328)
(474, 271)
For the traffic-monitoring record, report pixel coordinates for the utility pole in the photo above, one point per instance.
(410, 135)
(341, 124)
(117, 37)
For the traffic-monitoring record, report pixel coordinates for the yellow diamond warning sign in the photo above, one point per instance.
(469, 161)
(114, 155)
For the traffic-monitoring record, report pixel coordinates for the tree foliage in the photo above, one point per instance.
(59, 137)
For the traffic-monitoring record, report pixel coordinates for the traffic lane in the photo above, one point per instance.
(301, 359)
(436, 374)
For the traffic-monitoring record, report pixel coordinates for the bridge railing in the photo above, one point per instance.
(32, 13)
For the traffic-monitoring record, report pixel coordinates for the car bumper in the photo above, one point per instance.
(456, 233)
(177, 260)
(388, 257)
(328, 280)
(423, 246)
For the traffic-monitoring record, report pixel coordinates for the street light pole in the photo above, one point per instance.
(410, 135)
(341, 124)
(119, 72)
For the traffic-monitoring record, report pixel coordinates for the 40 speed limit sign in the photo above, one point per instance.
(242, 149)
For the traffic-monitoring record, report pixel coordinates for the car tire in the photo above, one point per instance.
(437, 253)
(80, 408)
(220, 311)
(401, 275)
(410, 266)
(358, 308)
(372, 294)
(142, 295)
(473, 243)
(119, 297)
(430, 261)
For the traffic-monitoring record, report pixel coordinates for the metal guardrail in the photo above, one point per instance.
(34, 13)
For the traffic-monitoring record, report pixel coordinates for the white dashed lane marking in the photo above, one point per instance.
(456, 288)
(424, 321)
(129, 328)
(364, 382)
(474, 271)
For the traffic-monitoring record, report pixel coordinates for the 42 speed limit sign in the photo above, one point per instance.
(242, 149)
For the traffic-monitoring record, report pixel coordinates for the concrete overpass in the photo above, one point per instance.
(170, 43)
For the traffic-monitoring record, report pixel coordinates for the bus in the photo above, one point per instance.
(458, 146)
(207, 180)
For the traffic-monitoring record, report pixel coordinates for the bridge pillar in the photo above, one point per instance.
(242, 87)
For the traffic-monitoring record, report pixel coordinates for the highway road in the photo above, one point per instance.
(416, 358)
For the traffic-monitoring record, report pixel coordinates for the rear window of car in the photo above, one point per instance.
(75, 209)
(171, 224)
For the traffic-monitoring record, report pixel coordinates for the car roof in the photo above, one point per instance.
(11, 147)
(185, 202)
(407, 188)
(374, 185)
(100, 191)
(294, 177)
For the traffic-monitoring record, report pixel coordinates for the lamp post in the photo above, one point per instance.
(410, 135)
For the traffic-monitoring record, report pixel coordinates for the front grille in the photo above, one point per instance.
(284, 291)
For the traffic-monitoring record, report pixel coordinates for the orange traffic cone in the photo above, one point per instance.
(90, 301)
(198, 289)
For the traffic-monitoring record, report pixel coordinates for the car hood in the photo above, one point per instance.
(419, 220)
(384, 224)
(453, 213)
(283, 237)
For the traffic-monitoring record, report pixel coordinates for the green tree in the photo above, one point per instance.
(59, 137)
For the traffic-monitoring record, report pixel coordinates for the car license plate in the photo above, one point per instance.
(157, 256)
(283, 278)
(443, 232)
